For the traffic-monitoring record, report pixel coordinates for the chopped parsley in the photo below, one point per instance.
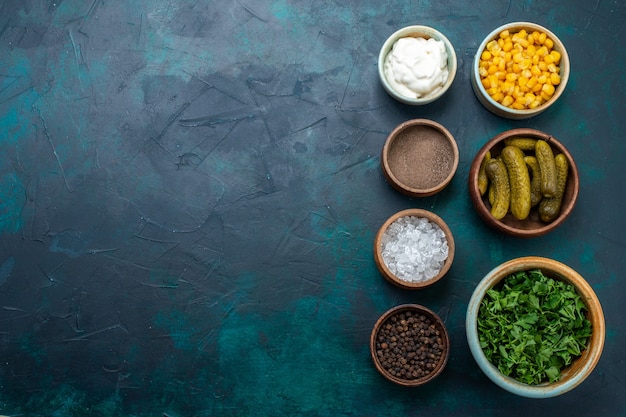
(532, 326)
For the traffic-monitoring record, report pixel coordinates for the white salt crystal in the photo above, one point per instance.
(414, 248)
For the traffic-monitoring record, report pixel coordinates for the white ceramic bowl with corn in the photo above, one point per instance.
(520, 70)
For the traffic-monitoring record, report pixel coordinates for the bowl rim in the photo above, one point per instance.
(382, 266)
(595, 344)
(477, 198)
(395, 182)
(417, 31)
(444, 334)
(498, 108)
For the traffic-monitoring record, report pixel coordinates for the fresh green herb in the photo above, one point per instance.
(532, 326)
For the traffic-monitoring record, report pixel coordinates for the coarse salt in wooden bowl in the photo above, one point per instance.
(408, 230)
(532, 226)
(580, 368)
(420, 361)
(419, 157)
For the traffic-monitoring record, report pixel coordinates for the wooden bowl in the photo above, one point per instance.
(507, 112)
(580, 368)
(419, 158)
(416, 31)
(379, 337)
(532, 226)
(378, 249)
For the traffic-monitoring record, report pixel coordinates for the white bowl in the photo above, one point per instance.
(416, 31)
(507, 112)
(580, 368)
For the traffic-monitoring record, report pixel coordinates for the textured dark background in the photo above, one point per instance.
(189, 192)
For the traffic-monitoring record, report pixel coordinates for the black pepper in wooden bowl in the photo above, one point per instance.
(409, 345)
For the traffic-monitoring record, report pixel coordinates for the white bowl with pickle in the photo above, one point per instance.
(524, 182)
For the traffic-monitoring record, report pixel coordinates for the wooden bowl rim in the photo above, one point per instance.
(391, 277)
(478, 201)
(444, 335)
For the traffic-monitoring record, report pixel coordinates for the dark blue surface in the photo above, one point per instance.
(189, 192)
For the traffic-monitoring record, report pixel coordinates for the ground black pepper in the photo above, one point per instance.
(409, 345)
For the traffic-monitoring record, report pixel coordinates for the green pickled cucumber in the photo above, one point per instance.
(545, 157)
(525, 144)
(499, 179)
(483, 181)
(519, 181)
(535, 180)
(550, 207)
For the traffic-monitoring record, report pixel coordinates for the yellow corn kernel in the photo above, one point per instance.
(522, 81)
(492, 69)
(485, 56)
(548, 59)
(525, 64)
(534, 104)
(518, 105)
(507, 101)
(498, 96)
(542, 66)
(531, 50)
(518, 57)
(511, 76)
(508, 45)
(555, 78)
(542, 38)
(542, 79)
(536, 88)
(556, 55)
(493, 81)
(504, 34)
(508, 87)
(535, 70)
(527, 73)
(532, 81)
(552, 68)
(549, 43)
(542, 51)
(548, 89)
(485, 82)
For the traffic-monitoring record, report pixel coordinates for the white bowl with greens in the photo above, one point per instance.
(535, 327)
